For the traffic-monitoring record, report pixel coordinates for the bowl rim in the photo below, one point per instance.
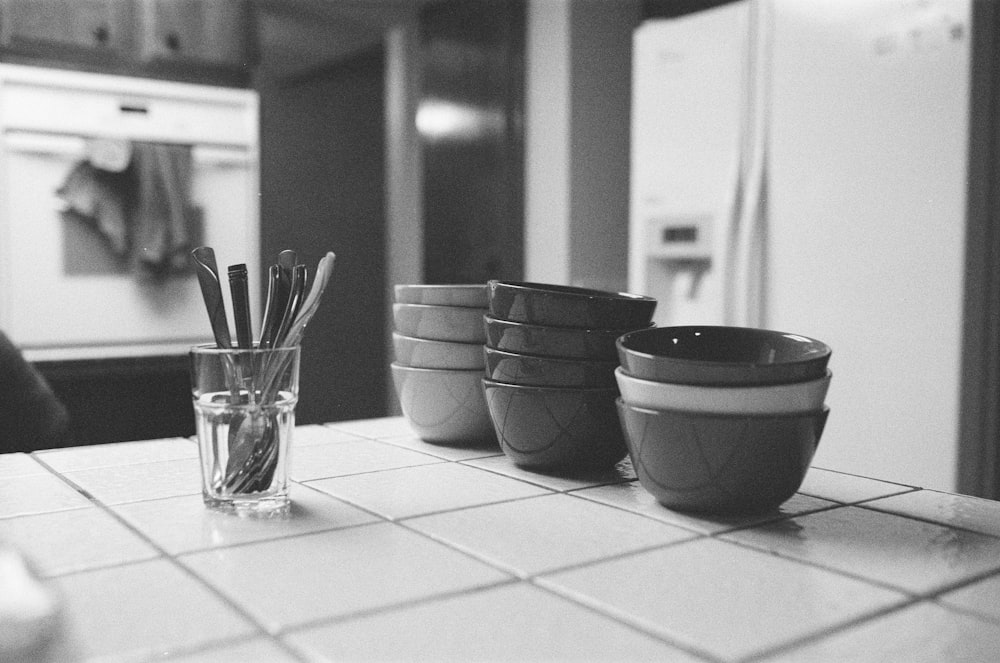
(719, 388)
(440, 286)
(416, 340)
(488, 383)
(419, 369)
(490, 319)
(621, 403)
(821, 355)
(594, 363)
(466, 295)
(572, 292)
(464, 310)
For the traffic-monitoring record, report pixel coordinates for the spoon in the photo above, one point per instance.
(309, 306)
(279, 286)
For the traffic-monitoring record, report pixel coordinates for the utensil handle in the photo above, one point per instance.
(239, 290)
(211, 291)
(270, 309)
(311, 303)
(294, 303)
(282, 282)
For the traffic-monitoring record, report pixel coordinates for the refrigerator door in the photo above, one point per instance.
(688, 151)
(866, 220)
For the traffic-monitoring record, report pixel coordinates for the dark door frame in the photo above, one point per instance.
(979, 432)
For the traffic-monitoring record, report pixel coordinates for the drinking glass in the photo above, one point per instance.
(244, 406)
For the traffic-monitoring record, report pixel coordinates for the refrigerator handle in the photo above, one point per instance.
(750, 234)
(731, 213)
(751, 253)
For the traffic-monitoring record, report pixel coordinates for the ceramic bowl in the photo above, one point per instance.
(460, 324)
(443, 406)
(468, 295)
(513, 368)
(757, 399)
(554, 428)
(546, 341)
(720, 464)
(568, 306)
(721, 355)
(422, 353)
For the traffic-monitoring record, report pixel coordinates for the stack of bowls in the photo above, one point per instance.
(722, 420)
(550, 383)
(438, 343)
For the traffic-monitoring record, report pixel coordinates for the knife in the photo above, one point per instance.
(211, 291)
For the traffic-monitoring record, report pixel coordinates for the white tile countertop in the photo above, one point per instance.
(401, 550)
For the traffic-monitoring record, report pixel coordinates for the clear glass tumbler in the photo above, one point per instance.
(244, 406)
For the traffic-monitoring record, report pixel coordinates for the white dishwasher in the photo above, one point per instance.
(135, 151)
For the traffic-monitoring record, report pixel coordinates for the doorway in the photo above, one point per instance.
(322, 183)
(470, 121)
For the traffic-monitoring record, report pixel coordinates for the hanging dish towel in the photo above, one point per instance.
(165, 226)
(143, 211)
(99, 200)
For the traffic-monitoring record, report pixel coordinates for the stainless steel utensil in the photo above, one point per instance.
(280, 277)
(239, 290)
(252, 442)
(211, 290)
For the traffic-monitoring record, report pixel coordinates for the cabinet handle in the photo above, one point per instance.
(101, 34)
(172, 41)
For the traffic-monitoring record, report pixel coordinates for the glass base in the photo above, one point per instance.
(251, 506)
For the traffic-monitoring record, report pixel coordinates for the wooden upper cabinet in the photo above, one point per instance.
(185, 39)
(57, 28)
(209, 32)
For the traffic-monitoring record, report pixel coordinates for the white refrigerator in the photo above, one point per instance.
(801, 165)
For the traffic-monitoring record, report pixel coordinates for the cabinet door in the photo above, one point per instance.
(212, 33)
(58, 27)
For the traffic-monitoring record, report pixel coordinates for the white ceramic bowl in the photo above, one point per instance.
(786, 398)
(470, 295)
(444, 406)
(440, 323)
(422, 353)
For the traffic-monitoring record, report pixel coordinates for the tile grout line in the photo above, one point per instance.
(622, 617)
(398, 606)
(516, 578)
(921, 595)
(469, 463)
(972, 613)
(859, 476)
(624, 620)
(261, 629)
(735, 528)
(924, 519)
(822, 634)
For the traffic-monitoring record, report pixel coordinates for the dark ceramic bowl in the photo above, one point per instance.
(552, 428)
(443, 406)
(546, 341)
(513, 368)
(567, 306)
(722, 356)
(720, 464)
